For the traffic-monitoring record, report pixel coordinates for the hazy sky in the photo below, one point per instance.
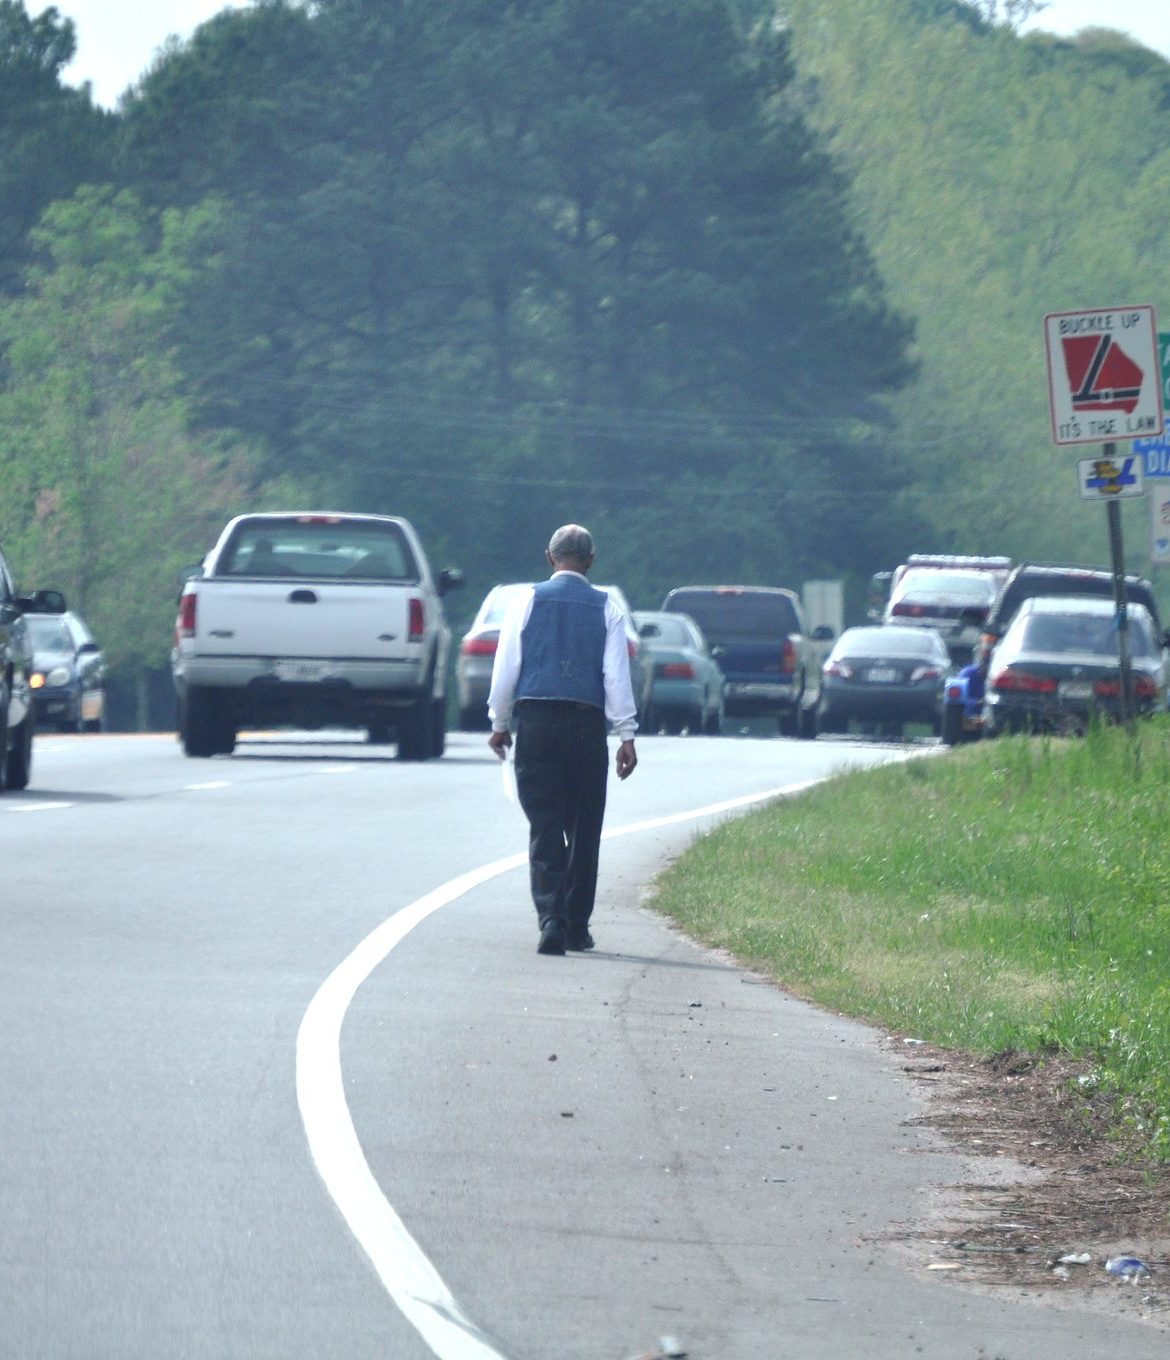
(116, 39)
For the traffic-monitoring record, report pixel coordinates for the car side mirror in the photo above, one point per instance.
(88, 648)
(450, 579)
(822, 633)
(649, 630)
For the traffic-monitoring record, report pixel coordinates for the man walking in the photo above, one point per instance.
(561, 671)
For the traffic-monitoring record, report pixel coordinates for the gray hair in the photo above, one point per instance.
(571, 543)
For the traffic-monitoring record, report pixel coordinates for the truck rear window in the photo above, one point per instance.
(355, 550)
(739, 615)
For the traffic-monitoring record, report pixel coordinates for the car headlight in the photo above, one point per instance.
(59, 675)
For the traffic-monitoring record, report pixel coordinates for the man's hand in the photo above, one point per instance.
(627, 759)
(499, 742)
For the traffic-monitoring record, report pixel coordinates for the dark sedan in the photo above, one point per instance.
(883, 676)
(68, 675)
(1057, 666)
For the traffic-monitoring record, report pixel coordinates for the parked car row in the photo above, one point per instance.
(709, 651)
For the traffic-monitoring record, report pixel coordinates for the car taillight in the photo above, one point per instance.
(1143, 688)
(676, 670)
(788, 656)
(479, 646)
(417, 625)
(954, 693)
(913, 610)
(924, 673)
(841, 669)
(185, 623)
(1023, 682)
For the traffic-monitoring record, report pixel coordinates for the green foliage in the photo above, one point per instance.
(999, 179)
(107, 495)
(1009, 895)
(51, 137)
(631, 270)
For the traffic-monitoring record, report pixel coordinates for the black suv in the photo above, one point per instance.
(758, 636)
(1053, 578)
(16, 708)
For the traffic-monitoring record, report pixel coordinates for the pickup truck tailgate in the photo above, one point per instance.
(307, 619)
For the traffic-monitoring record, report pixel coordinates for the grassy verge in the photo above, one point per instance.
(1009, 895)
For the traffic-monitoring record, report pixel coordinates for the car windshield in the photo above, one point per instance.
(49, 635)
(317, 546)
(1094, 634)
(855, 642)
(727, 616)
(949, 587)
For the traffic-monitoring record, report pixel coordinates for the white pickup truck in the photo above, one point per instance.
(314, 620)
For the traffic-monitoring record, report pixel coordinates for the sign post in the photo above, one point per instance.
(1105, 384)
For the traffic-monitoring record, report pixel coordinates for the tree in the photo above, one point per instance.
(52, 138)
(635, 266)
(108, 494)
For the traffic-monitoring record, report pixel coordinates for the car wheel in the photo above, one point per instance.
(672, 724)
(807, 723)
(197, 721)
(19, 764)
(713, 726)
(474, 718)
(414, 730)
(438, 726)
(378, 734)
(830, 723)
(92, 725)
(4, 740)
(952, 725)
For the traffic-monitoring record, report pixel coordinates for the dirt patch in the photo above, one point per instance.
(1047, 1180)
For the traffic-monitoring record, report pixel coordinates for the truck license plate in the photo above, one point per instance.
(300, 670)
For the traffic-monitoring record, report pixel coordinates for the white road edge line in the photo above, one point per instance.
(408, 1275)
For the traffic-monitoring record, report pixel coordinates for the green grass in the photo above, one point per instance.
(1008, 895)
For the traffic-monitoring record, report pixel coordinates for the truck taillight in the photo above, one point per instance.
(417, 627)
(788, 657)
(185, 623)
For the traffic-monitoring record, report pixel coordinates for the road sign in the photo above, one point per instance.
(1106, 479)
(1104, 375)
(1160, 522)
(1155, 454)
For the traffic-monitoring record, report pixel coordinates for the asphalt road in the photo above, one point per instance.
(284, 1077)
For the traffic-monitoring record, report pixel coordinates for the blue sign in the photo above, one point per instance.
(1156, 455)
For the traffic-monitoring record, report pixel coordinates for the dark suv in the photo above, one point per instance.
(16, 707)
(1052, 578)
(758, 636)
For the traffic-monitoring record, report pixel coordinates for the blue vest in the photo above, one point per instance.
(562, 647)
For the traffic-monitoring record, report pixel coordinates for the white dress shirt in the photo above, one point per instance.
(620, 708)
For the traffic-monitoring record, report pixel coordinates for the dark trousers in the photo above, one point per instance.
(561, 766)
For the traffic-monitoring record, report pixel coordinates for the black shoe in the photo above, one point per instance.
(552, 939)
(578, 938)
